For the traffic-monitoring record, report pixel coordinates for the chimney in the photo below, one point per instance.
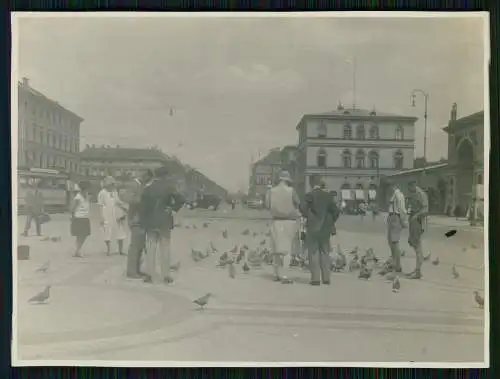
(25, 81)
(340, 106)
(453, 115)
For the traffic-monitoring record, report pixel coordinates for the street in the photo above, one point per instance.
(95, 313)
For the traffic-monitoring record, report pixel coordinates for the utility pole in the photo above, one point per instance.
(426, 99)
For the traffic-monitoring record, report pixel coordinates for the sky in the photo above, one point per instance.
(239, 86)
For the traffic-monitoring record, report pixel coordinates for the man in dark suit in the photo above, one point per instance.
(159, 201)
(321, 213)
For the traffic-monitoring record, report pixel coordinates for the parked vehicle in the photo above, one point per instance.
(206, 201)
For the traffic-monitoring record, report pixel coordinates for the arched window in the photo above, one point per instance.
(359, 186)
(347, 131)
(360, 159)
(360, 132)
(372, 186)
(346, 158)
(400, 133)
(398, 160)
(345, 186)
(373, 157)
(374, 132)
(321, 158)
(322, 130)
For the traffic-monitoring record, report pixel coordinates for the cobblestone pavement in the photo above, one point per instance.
(95, 313)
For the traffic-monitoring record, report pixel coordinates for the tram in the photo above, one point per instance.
(53, 184)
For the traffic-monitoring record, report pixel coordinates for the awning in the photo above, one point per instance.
(372, 194)
(360, 194)
(346, 194)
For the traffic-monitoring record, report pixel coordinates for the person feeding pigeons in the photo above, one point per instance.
(159, 201)
(321, 213)
(396, 222)
(418, 208)
(284, 205)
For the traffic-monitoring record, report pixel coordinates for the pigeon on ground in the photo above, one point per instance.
(202, 301)
(214, 249)
(245, 247)
(396, 285)
(231, 269)
(428, 256)
(479, 299)
(435, 262)
(194, 226)
(268, 234)
(354, 251)
(403, 253)
(234, 250)
(245, 267)
(354, 264)
(255, 234)
(205, 225)
(44, 268)
(55, 239)
(224, 233)
(224, 256)
(41, 297)
(454, 272)
(474, 246)
(246, 232)
(241, 255)
(365, 273)
(175, 266)
(263, 242)
(339, 263)
(46, 239)
(188, 227)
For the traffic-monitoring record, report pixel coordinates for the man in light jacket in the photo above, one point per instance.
(283, 203)
(34, 209)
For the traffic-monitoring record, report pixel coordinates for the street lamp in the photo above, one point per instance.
(425, 94)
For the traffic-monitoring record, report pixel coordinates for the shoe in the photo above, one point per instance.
(148, 279)
(277, 279)
(286, 281)
(414, 275)
(134, 276)
(315, 283)
(168, 280)
(326, 283)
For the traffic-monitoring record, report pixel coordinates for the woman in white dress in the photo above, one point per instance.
(113, 215)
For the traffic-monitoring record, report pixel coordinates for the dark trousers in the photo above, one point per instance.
(137, 244)
(319, 258)
(29, 218)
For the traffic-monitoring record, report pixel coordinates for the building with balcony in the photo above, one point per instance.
(352, 148)
(48, 133)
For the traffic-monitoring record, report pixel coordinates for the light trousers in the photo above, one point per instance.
(158, 242)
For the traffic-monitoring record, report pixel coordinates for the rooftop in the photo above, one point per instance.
(272, 158)
(472, 119)
(417, 170)
(346, 113)
(25, 86)
(123, 154)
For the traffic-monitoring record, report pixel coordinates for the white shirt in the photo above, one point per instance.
(82, 209)
(397, 203)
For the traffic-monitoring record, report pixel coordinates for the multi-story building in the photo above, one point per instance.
(264, 173)
(199, 184)
(289, 160)
(352, 148)
(48, 133)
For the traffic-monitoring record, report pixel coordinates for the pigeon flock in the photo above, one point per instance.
(363, 263)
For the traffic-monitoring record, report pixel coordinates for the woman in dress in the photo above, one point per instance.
(113, 215)
(80, 217)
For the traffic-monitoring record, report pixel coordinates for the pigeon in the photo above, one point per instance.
(365, 273)
(42, 297)
(203, 301)
(241, 255)
(435, 262)
(354, 251)
(263, 242)
(246, 232)
(245, 247)
(224, 256)
(428, 256)
(245, 267)
(268, 234)
(214, 249)
(474, 246)
(234, 250)
(205, 225)
(403, 253)
(44, 268)
(255, 234)
(195, 227)
(188, 227)
(354, 264)
(339, 263)
(479, 300)
(46, 239)
(454, 272)
(231, 269)
(177, 225)
(175, 266)
(396, 285)
(224, 233)
(55, 239)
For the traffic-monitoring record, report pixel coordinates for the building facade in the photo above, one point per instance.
(352, 148)
(465, 180)
(48, 133)
(264, 173)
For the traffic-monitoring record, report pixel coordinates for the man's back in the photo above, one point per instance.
(157, 202)
(321, 212)
(283, 202)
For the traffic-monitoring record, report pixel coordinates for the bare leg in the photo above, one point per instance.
(396, 255)
(120, 247)
(79, 244)
(108, 247)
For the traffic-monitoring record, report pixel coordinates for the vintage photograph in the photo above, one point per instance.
(250, 189)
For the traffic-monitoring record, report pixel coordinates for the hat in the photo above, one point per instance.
(285, 177)
(161, 171)
(109, 180)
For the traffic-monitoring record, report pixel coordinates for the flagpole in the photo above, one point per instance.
(354, 82)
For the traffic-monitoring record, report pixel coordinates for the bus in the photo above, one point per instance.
(53, 184)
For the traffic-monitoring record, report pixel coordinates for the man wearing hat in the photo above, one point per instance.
(396, 222)
(112, 215)
(321, 213)
(158, 203)
(283, 203)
